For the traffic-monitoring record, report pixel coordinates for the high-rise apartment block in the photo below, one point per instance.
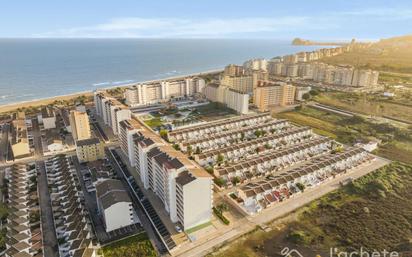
(143, 94)
(230, 97)
(269, 94)
(183, 187)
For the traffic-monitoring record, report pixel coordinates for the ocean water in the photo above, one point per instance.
(39, 68)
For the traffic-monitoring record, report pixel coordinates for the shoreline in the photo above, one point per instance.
(48, 100)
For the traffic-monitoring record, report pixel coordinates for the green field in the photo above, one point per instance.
(135, 246)
(373, 212)
(369, 104)
(396, 142)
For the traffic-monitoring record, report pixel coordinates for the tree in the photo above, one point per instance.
(189, 150)
(235, 180)
(300, 186)
(163, 133)
(198, 151)
(306, 96)
(222, 207)
(314, 92)
(220, 158)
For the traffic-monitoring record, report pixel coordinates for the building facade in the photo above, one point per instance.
(89, 150)
(269, 94)
(114, 204)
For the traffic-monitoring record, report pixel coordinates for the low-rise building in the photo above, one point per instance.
(300, 91)
(80, 125)
(114, 204)
(19, 139)
(89, 150)
(47, 118)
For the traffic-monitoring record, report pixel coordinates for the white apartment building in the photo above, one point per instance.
(143, 94)
(237, 101)
(111, 110)
(127, 132)
(114, 204)
(256, 64)
(230, 97)
(161, 168)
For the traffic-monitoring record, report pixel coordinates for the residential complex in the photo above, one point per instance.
(325, 73)
(264, 193)
(71, 220)
(269, 94)
(242, 79)
(143, 94)
(111, 110)
(114, 204)
(80, 125)
(232, 98)
(177, 181)
(283, 158)
(89, 150)
(24, 238)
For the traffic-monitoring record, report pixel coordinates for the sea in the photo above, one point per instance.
(32, 69)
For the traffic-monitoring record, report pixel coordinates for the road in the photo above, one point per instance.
(4, 142)
(50, 245)
(38, 146)
(374, 119)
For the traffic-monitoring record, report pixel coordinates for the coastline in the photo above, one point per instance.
(49, 100)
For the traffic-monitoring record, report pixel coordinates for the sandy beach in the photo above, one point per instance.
(46, 101)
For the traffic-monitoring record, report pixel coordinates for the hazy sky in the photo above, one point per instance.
(312, 19)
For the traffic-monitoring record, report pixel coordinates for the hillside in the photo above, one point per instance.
(390, 55)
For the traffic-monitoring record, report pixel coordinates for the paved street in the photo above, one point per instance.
(4, 139)
(50, 245)
(38, 147)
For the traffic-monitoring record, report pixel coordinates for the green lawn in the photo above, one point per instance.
(154, 122)
(134, 246)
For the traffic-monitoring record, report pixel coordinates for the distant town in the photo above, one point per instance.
(174, 159)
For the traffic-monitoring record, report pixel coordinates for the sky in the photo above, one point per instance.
(254, 19)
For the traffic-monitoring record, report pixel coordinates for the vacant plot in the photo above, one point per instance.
(367, 104)
(135, 246)
(396, 142)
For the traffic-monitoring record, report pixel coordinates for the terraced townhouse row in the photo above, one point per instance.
(71, 219)
(272, 161)
(255, 196)
(24, 237)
